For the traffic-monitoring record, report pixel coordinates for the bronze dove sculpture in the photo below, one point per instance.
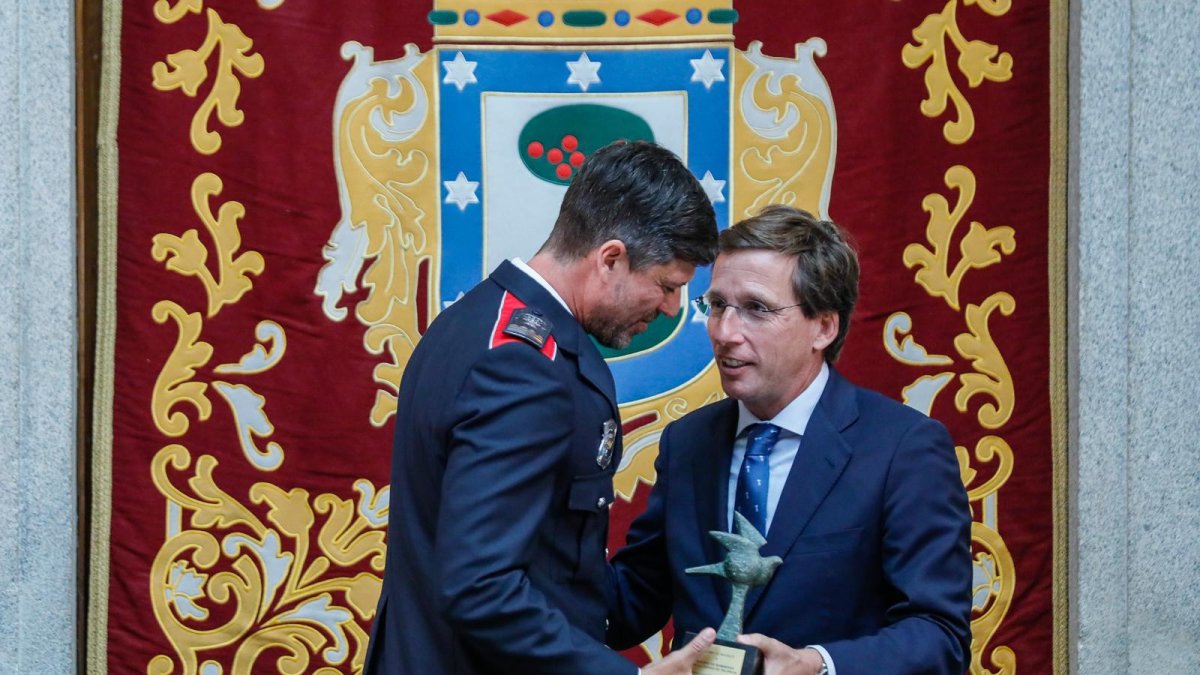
(743, 567)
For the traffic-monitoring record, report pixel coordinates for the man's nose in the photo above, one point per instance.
(725, 327)
(670, 303)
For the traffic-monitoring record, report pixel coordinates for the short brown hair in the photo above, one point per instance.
(826, 274)
(643, 195)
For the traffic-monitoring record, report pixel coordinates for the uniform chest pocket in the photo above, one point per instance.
(588, 501)
(593, 494)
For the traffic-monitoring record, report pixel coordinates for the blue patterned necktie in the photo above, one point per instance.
(755, 475)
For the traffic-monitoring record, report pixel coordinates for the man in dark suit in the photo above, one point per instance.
(859, 495)
(508, 435)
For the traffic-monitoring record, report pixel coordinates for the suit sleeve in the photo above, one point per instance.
(926, 551)
(640, 585)
(513, 430)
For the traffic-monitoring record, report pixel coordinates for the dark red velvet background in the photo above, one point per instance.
(279, 165)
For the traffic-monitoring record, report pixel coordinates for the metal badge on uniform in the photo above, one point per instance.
(529, 326)
(607, 443)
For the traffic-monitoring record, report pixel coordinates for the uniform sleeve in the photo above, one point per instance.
(513, 429)
(640, 586)
(926, 561)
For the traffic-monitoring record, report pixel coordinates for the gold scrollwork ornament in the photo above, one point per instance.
(980, 246)
(277, 587)
(977, 60)
(992, 377)
(785, 130)
(187, 70)
(174, 384)
(384, 145)
(189, 257)
(995, 580)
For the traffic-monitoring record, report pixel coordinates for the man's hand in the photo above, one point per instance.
(680, 662)
(780, 659)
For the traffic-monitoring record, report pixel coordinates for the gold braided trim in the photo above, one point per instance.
(106, 327)
(1057, 286)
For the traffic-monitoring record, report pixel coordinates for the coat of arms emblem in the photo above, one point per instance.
(454, 160)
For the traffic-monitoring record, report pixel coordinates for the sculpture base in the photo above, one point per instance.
(727, 658)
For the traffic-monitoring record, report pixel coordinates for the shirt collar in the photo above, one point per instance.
(521, 265)
(795, 415)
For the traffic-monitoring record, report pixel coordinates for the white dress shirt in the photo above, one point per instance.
(792, 422)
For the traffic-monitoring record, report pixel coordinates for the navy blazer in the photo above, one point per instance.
(873, 527)
(499, 498)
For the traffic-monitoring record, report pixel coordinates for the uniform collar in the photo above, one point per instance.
(524, 267)
(567, 332)
(566, 329)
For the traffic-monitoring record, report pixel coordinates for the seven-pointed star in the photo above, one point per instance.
(461, 191)
(460, 72)
(706, 69)
(713, 188)
(584, 72)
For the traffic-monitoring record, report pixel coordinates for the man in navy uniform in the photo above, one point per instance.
(859, 495)
(508, 435)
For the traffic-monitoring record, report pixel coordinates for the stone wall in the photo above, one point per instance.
(1135, 331)
(37, 337)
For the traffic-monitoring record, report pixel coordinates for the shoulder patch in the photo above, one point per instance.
(529, 326)
(516, 322)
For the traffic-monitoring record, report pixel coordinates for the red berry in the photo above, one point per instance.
(569, 143)
(563, 171)
(576, 158)
(535, 149)
(554, 156)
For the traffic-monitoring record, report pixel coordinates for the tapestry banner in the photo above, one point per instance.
(292, 190)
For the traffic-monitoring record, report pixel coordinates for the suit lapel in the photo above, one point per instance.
(712, 478)
(822, 457)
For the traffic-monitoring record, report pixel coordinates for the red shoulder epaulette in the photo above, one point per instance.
(514, 325)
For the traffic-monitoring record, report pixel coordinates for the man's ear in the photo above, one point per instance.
(610, 254)
(827, 330)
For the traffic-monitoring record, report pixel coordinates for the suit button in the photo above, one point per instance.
(601, 502)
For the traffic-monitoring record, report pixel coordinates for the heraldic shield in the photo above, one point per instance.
(516, 122)
(454, 160)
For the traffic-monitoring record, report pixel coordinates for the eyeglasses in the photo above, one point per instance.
(752, 312)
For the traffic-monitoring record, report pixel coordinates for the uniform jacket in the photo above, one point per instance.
(501, 483)
(873, 527)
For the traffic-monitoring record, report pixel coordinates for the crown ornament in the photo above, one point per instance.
(582, 21)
